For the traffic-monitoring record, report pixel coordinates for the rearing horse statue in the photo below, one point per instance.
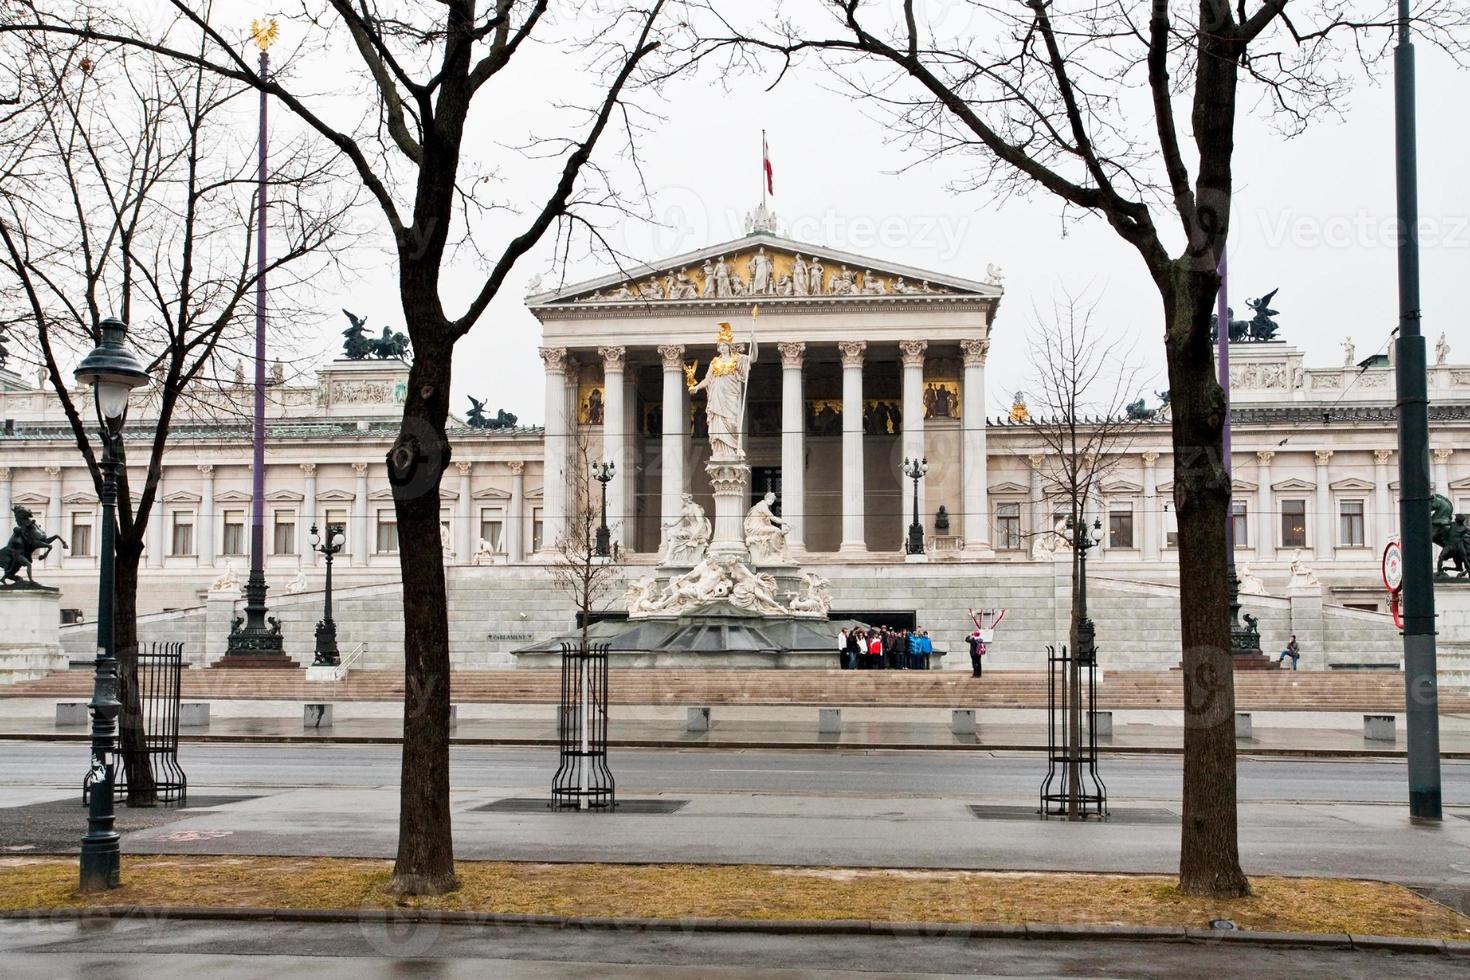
(25, 541)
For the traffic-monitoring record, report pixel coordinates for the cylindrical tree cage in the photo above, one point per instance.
(1072, 769)
(160, 666)
(583, 780)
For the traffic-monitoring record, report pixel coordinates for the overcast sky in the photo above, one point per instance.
(1313, 216)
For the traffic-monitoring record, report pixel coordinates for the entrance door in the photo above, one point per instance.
(765, 479)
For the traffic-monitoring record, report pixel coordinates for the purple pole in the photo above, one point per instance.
(1222, 343)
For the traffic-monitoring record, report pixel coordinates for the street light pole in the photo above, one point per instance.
(1421, 702)
(113, 370)
(327, 654)
(603, 473)
(915, 469)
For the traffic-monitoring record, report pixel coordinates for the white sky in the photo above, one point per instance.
(1312, 216)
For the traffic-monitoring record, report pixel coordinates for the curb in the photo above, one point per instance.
(830, 927)
(745, 745)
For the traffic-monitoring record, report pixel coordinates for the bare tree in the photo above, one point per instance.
(576, 568)
(1081, 385)
(1080, 102)
(129, 195)
(427, 71)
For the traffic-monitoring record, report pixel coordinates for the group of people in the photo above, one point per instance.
(881, 648)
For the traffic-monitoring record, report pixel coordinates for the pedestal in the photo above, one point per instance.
(30, 643)
(255, 639)
(730, 479)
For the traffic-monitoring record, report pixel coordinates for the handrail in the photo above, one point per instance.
(353, 656)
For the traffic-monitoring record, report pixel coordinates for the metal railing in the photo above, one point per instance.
(159, 668)
(1072, 783)
(348, 661)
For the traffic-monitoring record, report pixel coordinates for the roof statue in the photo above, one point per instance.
(1019, 412)
(475, 418)
(1259, 328)
(357, 345)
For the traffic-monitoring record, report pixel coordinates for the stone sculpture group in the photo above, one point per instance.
(719, 277)
(731, 581)
(358, 346)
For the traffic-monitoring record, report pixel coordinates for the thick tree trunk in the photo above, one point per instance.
(131, 734)
(1209, 858)
(425, 863)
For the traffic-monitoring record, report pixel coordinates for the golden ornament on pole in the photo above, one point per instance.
(264, 33)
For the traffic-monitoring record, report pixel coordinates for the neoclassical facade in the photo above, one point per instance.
(859, 364)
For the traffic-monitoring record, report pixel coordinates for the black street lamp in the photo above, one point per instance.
(113, 370)
(603, 473)
(326, 631)
(1084, 540)
(915, 469)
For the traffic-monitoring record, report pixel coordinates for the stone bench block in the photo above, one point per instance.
(1242, 724)
(962, 721)
(698, 720)
(829, 721)
(194, 714)
(72, 713)
(1379, 728)
(316, 715)
(1102, 724)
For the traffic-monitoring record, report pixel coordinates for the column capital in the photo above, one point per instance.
(913, 352)
(5, 474)
(1264, 456)
(554, 358)
(1323, 455)
(308, 468)
(517, 466)
(852, 352)
(1150, 458)
(613, 358)
(975, 352)
(208, 468)
(54, 472)
(673, 356)
(360, 468)
(1442, 454)
(792, 352)
(1382, 456)
(464, 466)
(1036, 459)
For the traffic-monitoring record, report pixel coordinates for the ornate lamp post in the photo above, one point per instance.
(257, 636)
(915, 469)
(603, 473)
(113, 370)
(326, 630)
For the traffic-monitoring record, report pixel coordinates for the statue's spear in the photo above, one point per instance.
(755, 311)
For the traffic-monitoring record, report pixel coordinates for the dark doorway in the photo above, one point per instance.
(765, 479)
(878, 617)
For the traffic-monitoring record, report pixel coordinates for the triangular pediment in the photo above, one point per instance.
(284, 497)
(768, 268)
(332, 496)
(1009, 488)
(490, 493)
(1352, 483)
(182, 497)
(1121, 487)
(232, 497)
(83, 497)
(1294, 484)
(1461, 484)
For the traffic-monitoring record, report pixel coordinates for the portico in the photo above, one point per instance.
(858, 364)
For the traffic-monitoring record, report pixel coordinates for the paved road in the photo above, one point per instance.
(975, 776)
(369, 951)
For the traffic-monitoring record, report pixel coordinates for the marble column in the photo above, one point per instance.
(515, 518)
(53, 516)
(675, 421)
(1323, 506)
(359, 536)
(793, 444)
(1040, 523)
(1385, 516)
(614, 418)
(912, 354)
(308, 516)
(1150, 506)
(465, 535)
(854, 511)
(975, 476)
(1267, 520)
(1442, 470)
(153, 535)
(555, 443)
(204, 529)
(7, 519)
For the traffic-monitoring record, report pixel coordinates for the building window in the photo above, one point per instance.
(387, 532)
(1008, 526)
(81, 535)
(1293, 523)
(234, 533)
(492, 528)
(1350, 523)
(183, 533)
(538, 527)
(1120, 526)
(337, 520)
(283, 540)
(1240, 523)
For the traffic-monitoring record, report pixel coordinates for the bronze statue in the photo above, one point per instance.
(357, 344)
(475, 418)
(1261, 327)
(25, 541)
(1138, 413)
(1452, 533)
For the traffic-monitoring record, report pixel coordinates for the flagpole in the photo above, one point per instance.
(764, 153)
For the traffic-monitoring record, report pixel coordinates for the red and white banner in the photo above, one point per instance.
(766, 164)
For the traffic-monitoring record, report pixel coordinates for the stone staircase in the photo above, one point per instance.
(1346, 691)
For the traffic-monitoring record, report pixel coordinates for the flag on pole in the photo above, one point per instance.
(766, 164)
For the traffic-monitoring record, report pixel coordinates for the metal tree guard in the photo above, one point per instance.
(160, 669)
(583, 780)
